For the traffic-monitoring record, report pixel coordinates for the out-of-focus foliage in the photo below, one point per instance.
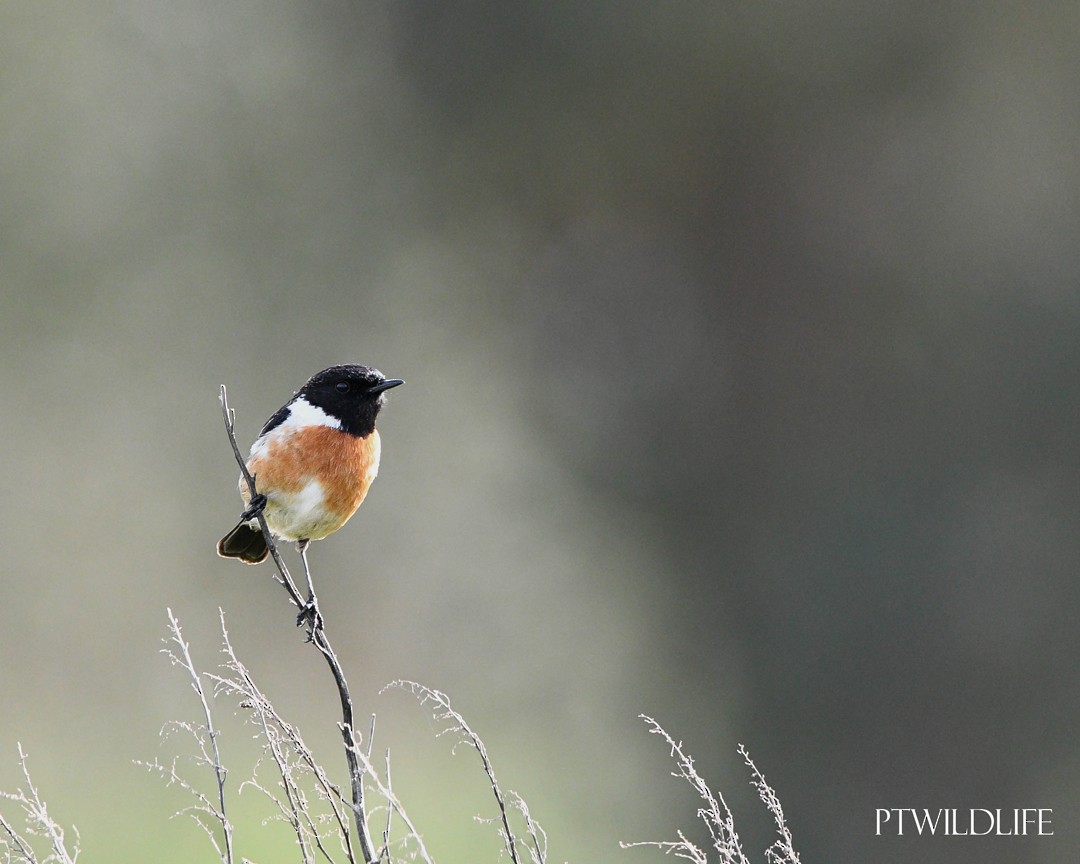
(743, 356)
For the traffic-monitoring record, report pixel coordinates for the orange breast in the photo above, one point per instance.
(343, 465)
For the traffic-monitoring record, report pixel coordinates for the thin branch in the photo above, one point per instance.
(681, 848)
(213, 756)
(204, 812)
(356, 779)
(22, 848)
(445, 713)
(394, 805)
(276, 731)
(38, 822)
(538, 849)
(715, 814)
(782, 851)
(317, 635)
(284, 577)
(291, 808)
(389, 809)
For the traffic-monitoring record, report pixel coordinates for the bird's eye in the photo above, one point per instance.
(342, 386)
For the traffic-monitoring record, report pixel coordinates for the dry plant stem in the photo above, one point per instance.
(394, 805)
(445, 713)
(317, 635)
(533, 829)
(385, 851)
(715, 814)
(14, 840)
(39, 823)
(285, 577)
(214, 756)
(356, 777)
(282, 737)
(782, 851)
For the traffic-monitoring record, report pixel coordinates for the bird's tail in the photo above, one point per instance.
(245, 542)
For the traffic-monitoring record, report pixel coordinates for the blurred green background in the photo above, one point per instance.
(743, 368)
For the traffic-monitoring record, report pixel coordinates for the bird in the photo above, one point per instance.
(313, 462)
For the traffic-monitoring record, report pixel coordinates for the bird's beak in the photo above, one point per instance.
(385, 385)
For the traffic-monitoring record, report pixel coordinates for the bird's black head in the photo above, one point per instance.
(352, 394)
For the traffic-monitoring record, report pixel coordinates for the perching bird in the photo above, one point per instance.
(313, 462)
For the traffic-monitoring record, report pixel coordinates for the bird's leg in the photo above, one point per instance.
(309, 614)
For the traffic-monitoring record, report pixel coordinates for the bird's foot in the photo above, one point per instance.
(255, 506)
(310, 617)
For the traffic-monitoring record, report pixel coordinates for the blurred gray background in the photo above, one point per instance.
(742, 352)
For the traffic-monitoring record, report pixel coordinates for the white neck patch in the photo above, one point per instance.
(302, 414)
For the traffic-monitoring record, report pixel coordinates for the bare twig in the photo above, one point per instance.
(39, 822)
(394, 805)
(781, 851)
(12, 843)
(389, 809)
(457, 724)
(291, 756)
(206, 738)
(284, 577)
(715, 814)
(317, 636)
(538, 849)
(356, 778)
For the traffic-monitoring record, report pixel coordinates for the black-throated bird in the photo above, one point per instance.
(313, 461)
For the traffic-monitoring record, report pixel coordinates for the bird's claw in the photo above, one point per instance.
(310, 617)
(255, 506)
